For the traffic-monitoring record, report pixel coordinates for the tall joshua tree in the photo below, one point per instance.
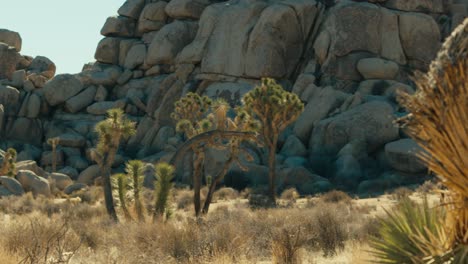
(164, 176)
(111, 131)
(9, 163)
(275, 108)
(134, 170)
(53, 142)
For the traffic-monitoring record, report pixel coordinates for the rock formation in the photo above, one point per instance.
(346, 60)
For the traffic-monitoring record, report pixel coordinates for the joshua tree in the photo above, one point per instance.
(134, 170)
(243, 122)
(275, 108)
(121, 183)
(53, 142)
(198, 117)
(9, 163)
(191, 115)
(111, 131)
(163, 183)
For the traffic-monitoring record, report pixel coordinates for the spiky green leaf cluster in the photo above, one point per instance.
(190, 112)
(410, 234)
(121, 183)
(134, 170)
(272, 104)
(113, 128)
(164, 176)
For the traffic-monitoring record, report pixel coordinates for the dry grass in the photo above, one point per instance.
(336, 196)
(231, 233)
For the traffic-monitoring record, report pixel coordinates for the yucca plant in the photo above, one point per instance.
(409, 232)
(438, 122)
(164, 176)
(120, 182)
(276, 109)
(9, 163)
(111, 131)
(134, 170)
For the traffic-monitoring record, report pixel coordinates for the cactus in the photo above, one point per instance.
(9, 163)
(54, 142)
(164, 176)
(275, 108)
(110, 131)
(134, 170)
(120, 181)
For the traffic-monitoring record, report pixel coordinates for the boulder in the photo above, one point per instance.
(73, 140)
(47, 158)
(71, 172)
(135, 56)
(37, 80)
(320, 105)
(153, 17)
(131, 8)
(88, 175)
(299, 178)
(9, 98)
(70, 189)
(44, 66)
(402, 155)
(9, 57)
(169, 41)
(11, 38)
(119, 26)
(26, 130)
(101, 108)
(186, 9)
(101, 94)
(293, 147)
(78, 162)
(107, 50)
(81, 100)
(61, 180)
(61, 88)
(420, 37)
(31, 182)
(12, 185)
(348, 171)
(4, 192)
(372, 122)
(376, 68)
(18, 77)
(31, 165)
(33, 106)
(426, 6)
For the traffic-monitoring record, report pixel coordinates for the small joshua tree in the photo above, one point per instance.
(191, 115)
(111, 131)
(9, 163)
(134, 170)
(54, 142)
(163, 183)
(120, 181)
(275, 108)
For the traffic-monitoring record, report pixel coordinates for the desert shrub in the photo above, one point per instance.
(401, 193)
(290, 194)
(226, 193)
(260, 201)
(245, 193)
(287, 244)
(90, 195)
(336, 196)
(331, 230)
(427, 187)
(41, 240)
(183, 198)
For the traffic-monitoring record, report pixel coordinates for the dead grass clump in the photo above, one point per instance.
(331, 232)
(89, 195)
(41, 240)
(401, 193)
(288, 242)
(226, 193)
(183, 198)
(290, 194)
(336, 196)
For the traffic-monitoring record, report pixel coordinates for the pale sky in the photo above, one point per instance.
(65, 31)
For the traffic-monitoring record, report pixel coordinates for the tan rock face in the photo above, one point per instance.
(11, 38)
(8, 60)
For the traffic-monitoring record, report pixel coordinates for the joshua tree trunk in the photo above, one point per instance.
(271, 170)
(197, 184)
(214, 183)
(109, 199)
(122, 200)
(54, 157)
(138, 205)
